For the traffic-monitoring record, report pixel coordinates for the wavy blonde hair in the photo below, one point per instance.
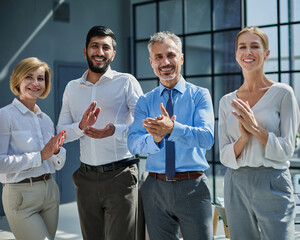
(26, 66)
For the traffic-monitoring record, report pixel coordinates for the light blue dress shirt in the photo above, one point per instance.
(192, 133)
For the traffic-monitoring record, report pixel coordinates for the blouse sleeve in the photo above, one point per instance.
(226, 145)
(281, 148)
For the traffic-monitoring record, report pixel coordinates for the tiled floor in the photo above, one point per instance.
(69, 229)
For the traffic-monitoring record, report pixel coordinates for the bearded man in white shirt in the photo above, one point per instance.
(97, 109)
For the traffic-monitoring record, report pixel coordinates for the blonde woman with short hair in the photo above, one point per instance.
(29, 154)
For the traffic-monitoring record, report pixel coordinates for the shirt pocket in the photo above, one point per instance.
(22, 142)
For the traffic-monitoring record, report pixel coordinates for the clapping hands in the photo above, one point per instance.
(160, 126)
(90, 116)
(245, 115)
(54, 145)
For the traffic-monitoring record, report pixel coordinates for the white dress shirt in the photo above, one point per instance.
(23, 134)
(278, 112)
(116, 93)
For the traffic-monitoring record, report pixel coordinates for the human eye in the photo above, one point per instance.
(28, 77)
(106, 47)
(94, 46)
(41, 79)
(242, 47)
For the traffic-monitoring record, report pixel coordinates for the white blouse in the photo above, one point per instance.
(23, 134)
(278, 112)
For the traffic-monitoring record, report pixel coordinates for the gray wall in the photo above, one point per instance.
(58, 41)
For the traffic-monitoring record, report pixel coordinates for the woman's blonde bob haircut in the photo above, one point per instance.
(255, 30)
(26, 66)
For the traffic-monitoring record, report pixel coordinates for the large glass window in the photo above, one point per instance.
(261, 12)
(170, 16)
(144, 29)
(198, 16)
(198, 54)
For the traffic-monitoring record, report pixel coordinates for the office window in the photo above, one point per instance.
(170, 16)
(198, 16)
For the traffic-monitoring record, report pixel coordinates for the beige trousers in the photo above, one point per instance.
(32, 209)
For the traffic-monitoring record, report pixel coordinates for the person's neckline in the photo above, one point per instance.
(261, 98)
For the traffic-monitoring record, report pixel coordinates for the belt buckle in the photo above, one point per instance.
(46, 177)
(170, 180)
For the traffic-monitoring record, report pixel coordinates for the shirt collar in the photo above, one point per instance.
(180, 86)
(23, 109)
(108, 74)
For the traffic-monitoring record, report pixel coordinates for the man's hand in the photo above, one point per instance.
(53, 146)
(109, 130)
(160, 126)
(90, 116)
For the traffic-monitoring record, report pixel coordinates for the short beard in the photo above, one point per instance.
(167, 79)
(98, 69)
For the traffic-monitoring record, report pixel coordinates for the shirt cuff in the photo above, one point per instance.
(177, 131)
(77, 130)
(59, 159)
(153, 146)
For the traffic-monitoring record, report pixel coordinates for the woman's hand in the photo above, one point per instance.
(53, 146)
(247, 121)
(244, 114)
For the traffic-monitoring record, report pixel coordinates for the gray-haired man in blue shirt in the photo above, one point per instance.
(174, 124)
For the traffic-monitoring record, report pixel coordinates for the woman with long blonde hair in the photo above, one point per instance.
(257, 128)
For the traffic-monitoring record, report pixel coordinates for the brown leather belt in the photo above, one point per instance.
(43, 177)
(178, 176)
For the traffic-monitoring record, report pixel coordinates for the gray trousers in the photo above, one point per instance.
(259, 204)
(170, 205)
(107, 203)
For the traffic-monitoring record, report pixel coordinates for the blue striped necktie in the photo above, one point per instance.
(170, 146)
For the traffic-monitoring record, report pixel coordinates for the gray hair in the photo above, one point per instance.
(161, 37)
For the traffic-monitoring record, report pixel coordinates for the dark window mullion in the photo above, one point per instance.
(183, 35)
(279, 40)
(213, 91)
(134, 41)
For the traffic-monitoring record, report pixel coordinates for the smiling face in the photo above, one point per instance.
(166, 60)
(33, 85)
(99, 53)
(250, 53)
